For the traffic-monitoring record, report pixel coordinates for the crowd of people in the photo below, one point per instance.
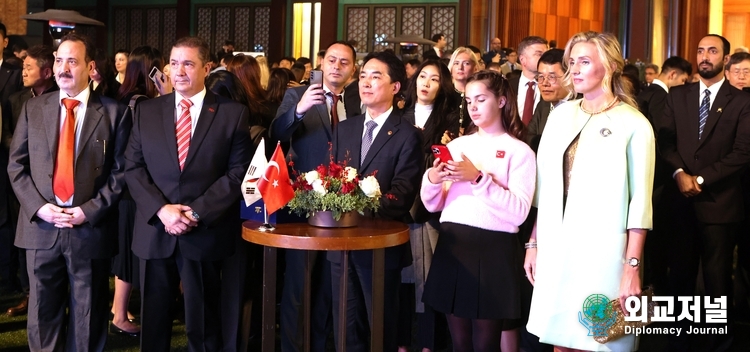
(568, 176)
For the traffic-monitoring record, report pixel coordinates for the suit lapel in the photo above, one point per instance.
(723, 97)
(692, 116)
(168, 122)
(51, 122)
(355, 134)
(4, 74)
(389, 129)
(325, 118)
(205, 120)
(90, 121)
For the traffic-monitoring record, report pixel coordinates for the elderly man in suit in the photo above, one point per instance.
(704, 136)
(67, 162)
(185, 161)
(308, 117)
(381, 141)
(549, 77)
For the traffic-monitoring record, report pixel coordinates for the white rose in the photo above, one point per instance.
(370, 186)
(350, 173)
(318, 186)
(311, 176)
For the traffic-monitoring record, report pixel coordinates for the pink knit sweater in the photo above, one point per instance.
(502, 199)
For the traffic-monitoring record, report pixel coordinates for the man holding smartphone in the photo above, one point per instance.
(307, 118)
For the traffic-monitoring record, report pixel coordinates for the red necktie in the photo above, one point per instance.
(62, 179)
(335, 110)
(528, 105)
(182, 130)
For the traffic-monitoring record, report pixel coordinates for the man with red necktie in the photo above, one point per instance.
(66, 165)
(185, 161)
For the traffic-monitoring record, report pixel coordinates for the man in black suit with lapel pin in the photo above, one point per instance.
(307, 119)
(381, 141)
(185, 161)
(704, 136)
(66, 165)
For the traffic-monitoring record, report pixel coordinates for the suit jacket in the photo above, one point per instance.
(506, 68)
(430, 54)
(719, 156)
(311, 135)
(537, 123)
(17, 100)
(396, 154)
(219, 153)
(651, 102)
(10, 82)
(514, 83)
(99, 168)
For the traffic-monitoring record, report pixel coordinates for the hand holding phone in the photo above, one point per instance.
(316, 77)
(441, 152)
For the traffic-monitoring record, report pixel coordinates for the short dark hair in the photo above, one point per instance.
(123, 51)
(737, 58)
(3, 30)
(303, 61)
(229, 42)
(474, 49)
(724, 41)
(654, 67)
(196, 43)
(321, 53)
(18, 47)
(288, 58)
(414, 62)
(77, 37)
(529, 41)
(509, 51)
(344, 43)
(396, 69)
(631, 69)
(437, 37)
(42, 54)
(677, 63)
(551, 57)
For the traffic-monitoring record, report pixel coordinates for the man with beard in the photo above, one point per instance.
(704, 137)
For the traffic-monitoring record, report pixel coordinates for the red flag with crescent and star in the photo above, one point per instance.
(275, 187)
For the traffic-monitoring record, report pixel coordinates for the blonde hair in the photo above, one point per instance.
(472, 57)
(610, 55)
(265, 73)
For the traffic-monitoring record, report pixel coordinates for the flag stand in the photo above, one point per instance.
(266, 225)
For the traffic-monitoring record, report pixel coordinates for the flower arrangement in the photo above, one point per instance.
(336, 188)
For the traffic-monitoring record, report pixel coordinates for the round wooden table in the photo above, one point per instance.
(370, 234)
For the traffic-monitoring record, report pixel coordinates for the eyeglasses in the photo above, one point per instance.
(551, 79)
(736, 72)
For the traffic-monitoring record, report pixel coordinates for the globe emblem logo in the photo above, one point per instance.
(597, 315)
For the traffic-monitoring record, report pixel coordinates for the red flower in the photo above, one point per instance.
(348, 187)
(322, 171)
(335, 170)
(390, 196)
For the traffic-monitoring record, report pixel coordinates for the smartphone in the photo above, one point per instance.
(441, 152)
(156, 74)
(316, 77)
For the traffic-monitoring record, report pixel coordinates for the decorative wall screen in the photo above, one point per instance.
(369, 25)
(153, 26)
(246, 24)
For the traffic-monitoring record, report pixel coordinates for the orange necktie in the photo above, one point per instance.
(62, 180)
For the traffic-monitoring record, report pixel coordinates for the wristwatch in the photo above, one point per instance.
(699, 180)
(195, 215)
(634, 262)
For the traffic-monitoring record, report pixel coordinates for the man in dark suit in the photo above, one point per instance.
(308, 117)
(550, 80)
(10, 82)
(67, 162)
(381, 141)
(530, 49)
(186, 158)
(496, 53)
(438, 50)
(38, 79)
(704, 136)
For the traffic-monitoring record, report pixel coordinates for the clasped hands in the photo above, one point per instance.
(61, 217)
(453, 171)
(177, 219)
(687, 184)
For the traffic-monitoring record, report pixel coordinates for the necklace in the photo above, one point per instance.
(609, 106)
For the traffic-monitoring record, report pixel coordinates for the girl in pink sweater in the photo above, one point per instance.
(484, 195)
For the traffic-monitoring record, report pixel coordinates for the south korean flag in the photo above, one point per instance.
(254, 172)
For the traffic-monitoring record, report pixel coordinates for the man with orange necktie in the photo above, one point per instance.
(66, 165)
(185, 161)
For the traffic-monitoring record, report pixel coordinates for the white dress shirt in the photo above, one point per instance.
(522, 87)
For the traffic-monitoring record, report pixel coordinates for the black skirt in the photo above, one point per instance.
(476, 274)
(125, 263)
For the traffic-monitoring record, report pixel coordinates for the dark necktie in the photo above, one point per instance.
(703, 112)
(528, 105)
(62, 179)
(334, 110)
(367, 140)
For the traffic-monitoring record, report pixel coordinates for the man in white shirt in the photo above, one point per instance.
(529, 51)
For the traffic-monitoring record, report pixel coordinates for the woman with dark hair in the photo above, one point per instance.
(102, 77)
(484, 194)
(279, 80)
(227, 85)
(431, 107)
(121, 63)
(246, 68)
(135, 88)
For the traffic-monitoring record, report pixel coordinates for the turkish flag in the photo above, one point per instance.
(275, 187)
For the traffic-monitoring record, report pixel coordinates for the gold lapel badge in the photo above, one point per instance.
(390, 133)
(719, 110)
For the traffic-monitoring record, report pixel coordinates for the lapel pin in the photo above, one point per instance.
(500, 154)
(719, 110)
(605, 132)
(211, 110)
(390, 133)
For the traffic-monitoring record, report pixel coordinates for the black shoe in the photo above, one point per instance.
(117, 331)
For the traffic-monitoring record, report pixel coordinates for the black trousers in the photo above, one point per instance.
(292, 314)
(359, 295)
(160, 279)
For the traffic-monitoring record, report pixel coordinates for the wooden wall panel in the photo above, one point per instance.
(560, 19)
(736, 19)
(693, 27)
(10, 15)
